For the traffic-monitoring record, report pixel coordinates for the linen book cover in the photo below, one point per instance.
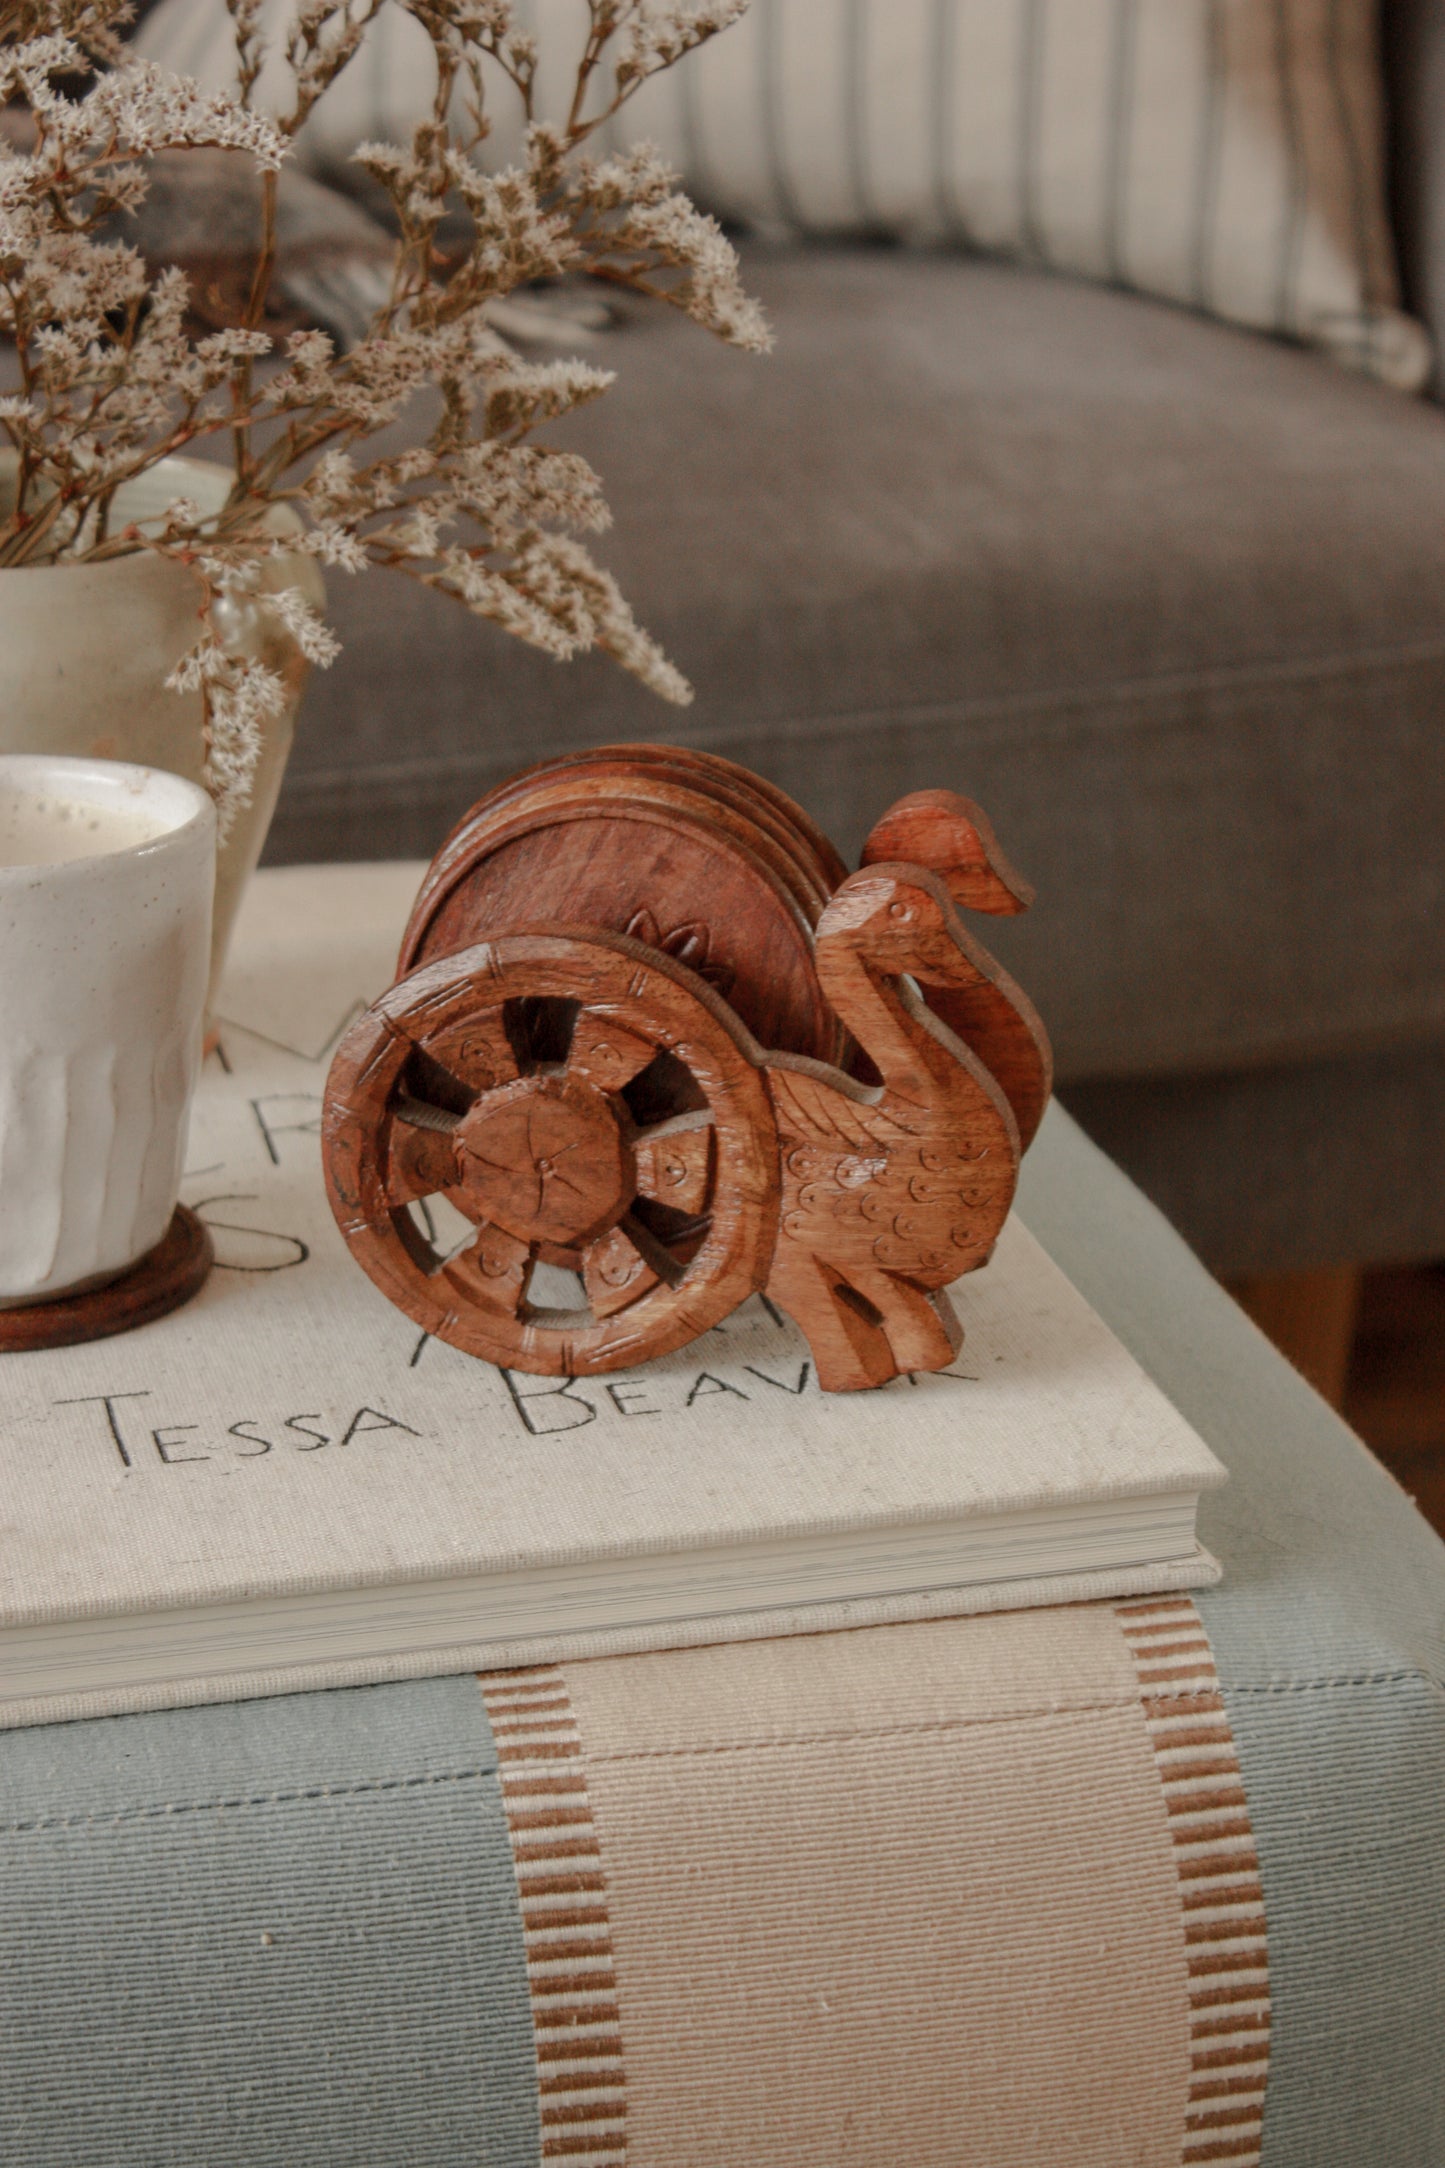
(287, 1484)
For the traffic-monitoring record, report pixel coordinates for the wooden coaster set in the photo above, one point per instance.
(649, 1032)
(158, 1283)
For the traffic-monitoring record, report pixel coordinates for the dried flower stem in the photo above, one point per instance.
(111, 383)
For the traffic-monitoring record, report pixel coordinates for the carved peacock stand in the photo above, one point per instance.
(651, 1036)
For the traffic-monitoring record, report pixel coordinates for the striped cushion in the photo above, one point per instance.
(1227, 154)
(1222, 153)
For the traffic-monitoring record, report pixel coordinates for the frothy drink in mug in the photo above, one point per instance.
(36, 830)
(106, 872)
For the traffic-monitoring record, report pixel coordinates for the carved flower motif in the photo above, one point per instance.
(690, 944)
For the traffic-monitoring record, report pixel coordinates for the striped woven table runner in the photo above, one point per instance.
(1219, 1889)
(838, 1898)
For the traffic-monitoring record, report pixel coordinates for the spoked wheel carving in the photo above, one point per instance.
(585, 1104)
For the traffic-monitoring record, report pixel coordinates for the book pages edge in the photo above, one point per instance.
(1200, 1570)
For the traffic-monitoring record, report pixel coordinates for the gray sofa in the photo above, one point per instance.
(1167, 597)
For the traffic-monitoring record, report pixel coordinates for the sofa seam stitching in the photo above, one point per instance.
(169, 1809)
(1056, 705)
(1417, 1675)
(166, 1809)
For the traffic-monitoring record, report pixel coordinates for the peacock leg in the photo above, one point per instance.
(921, 1324)
(844, 1330)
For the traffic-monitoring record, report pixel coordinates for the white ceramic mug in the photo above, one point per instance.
(106, 878)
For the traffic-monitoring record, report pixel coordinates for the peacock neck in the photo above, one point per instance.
(909, 1060)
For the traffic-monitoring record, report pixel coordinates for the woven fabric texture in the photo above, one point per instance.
(773, 1902)
(1217, 1863)
(562, 1893)
(824, 1898)
(284, 1936)
(1329, 1635)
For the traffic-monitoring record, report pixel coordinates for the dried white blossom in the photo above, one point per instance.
(317, 642)
(658, 37)
(112, 379)
(241, 696)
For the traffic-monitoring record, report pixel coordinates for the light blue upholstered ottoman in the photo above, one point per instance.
(287, 1933)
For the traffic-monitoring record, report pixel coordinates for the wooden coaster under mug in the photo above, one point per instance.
(167, 1276)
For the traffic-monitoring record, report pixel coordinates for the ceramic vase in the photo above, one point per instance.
(85, 651)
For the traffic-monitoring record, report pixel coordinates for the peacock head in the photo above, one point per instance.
(952, 837)
(900, 920)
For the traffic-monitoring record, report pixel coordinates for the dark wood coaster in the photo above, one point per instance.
(164, 1278)
(690, 858)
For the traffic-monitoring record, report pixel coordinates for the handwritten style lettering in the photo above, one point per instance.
(175, 1444)
(273, 1127)
(543, 1422)
(705, 1383)
(781, 1384)
(624, 1396)
(108, 1402)
(266, 1250)
(246, 1429)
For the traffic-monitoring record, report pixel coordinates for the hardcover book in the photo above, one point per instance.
(286, 1484)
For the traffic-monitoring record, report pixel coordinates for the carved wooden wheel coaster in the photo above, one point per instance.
(653, 1050)
(580, 1103)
